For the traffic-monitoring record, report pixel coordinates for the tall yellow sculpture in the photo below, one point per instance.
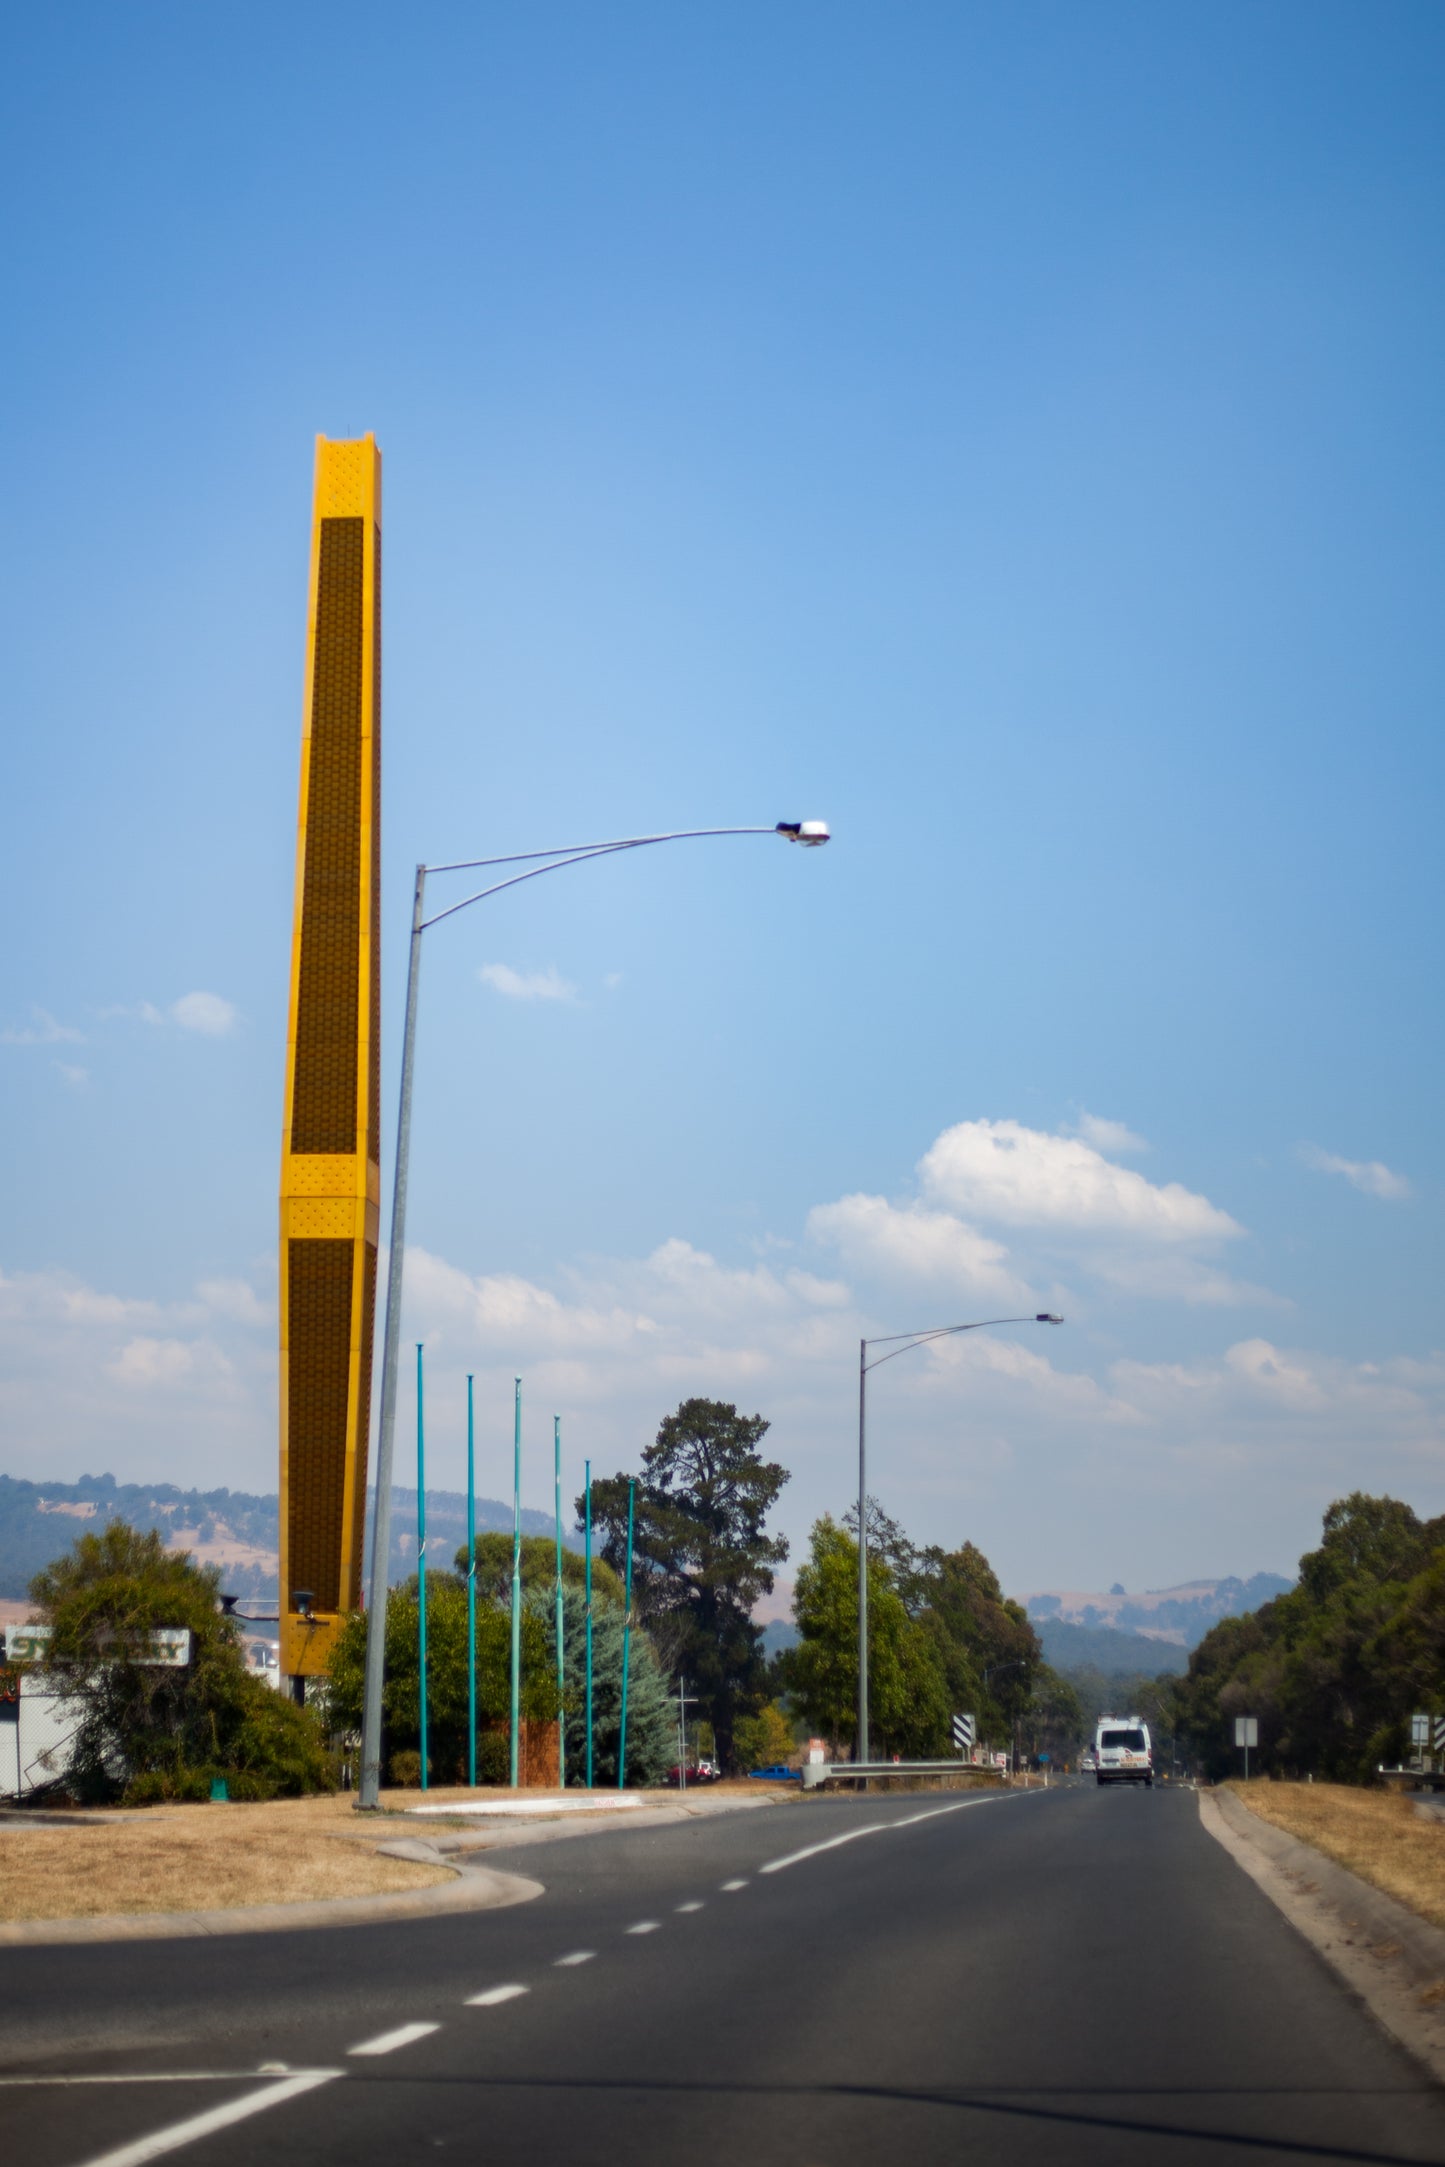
(330, 1173)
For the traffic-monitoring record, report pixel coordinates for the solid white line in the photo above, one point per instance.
(645, 1926)
(495, 1996)
(205, 2125)
(689, 1907)
(873, 1828)
(578, 1956)
(173, 2076)
(729, 1886)
(388, 2042)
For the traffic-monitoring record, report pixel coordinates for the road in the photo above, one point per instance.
(1075, 1976)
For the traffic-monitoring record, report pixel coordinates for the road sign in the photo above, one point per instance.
(964, 1731)
(1419, 1730)
(1246, 1730)
(1437, 1744)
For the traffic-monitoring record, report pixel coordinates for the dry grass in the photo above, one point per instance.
(1376, 1834)
(198, 1858)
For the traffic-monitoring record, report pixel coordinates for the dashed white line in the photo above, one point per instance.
(694, 1906)
(578, 1956)
(388, 2042)
(161, 2141)
(494, 1996)
(645, 1926)
(874, 1828)
(729, 1886)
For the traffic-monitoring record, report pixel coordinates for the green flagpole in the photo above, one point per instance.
(421, 1561)
(516, 1579)
(471, 1593)
(588, 1488)
(626, 1645)
(561, 1679)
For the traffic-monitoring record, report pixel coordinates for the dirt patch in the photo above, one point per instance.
(199, 1858)
(1376, 1834)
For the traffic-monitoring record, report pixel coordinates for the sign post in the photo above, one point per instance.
(1246, 1734)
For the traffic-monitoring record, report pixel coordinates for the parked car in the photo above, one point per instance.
(695, 1772)
(778, 1773)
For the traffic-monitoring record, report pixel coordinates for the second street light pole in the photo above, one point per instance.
(896, 1343)
(810, 834)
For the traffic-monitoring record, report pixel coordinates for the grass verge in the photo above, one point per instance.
(1376, 1834)
(198, 1858)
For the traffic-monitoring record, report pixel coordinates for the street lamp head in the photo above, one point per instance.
(1043, 1317)
(810, 833)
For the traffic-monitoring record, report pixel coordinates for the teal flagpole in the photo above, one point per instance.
(421, 1562)
(561, 1677)
(588, 1488)
(471, 1593)
(626, 1645)
(516, 1580)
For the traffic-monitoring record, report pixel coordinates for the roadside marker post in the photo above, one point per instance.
(965, 1731)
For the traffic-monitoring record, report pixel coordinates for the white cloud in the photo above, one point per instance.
(873, 1234)
(1108, 1136)
(548, 985)
(1369, 1176)
(44, 1031)
(72, 1075)
(1003, 1171)
(207, 1013)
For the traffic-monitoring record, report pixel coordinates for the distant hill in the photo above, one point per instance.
(230, 1528)
(1181, 1614)
(1117, 1655)
(777, 1635)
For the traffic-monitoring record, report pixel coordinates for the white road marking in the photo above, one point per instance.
(694, 1906)
(495, 1996)
(645, 1926)
(162, 2141)
(729, 1886)
(175, 2076)
(578, 1956)
(873, 1828)
(388, 2042)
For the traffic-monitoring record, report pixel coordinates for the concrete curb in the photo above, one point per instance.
(1385, 1953)
(441, 1841)
(476, 1888)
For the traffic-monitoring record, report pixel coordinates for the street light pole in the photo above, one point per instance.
(810, 834)
(897, 1343)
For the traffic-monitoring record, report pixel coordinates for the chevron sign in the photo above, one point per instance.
(964, 1729)
(1438, 1741)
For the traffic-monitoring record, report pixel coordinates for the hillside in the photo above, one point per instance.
(1182, 1614)
(230, 1528)
(1071, 1648)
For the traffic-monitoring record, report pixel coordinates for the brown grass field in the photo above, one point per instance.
(1376, 1834)
(213, 1858)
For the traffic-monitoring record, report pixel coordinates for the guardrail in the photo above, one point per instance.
(820, 1772)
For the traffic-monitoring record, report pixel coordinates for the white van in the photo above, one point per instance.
(1122, 1752)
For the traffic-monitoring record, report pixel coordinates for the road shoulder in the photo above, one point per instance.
(1387, 1956)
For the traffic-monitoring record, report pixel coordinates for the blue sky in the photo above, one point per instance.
(1012, 434)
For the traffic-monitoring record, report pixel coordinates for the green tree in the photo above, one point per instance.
(1053, 1720)
(145, 1731)
(701, 1556)
(986, 1648)
(446, 1673)
(907, 1695)
(766, 1739)
(539, 1568)
(651, 1716)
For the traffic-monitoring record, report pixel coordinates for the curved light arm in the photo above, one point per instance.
(811, 832)
(946, 1331)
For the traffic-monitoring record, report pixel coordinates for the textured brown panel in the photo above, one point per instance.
(352, 1594)
(323, 1111)
(373, 1082)
(319, 1364)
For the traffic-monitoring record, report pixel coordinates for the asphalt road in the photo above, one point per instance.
(1076, 1976)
